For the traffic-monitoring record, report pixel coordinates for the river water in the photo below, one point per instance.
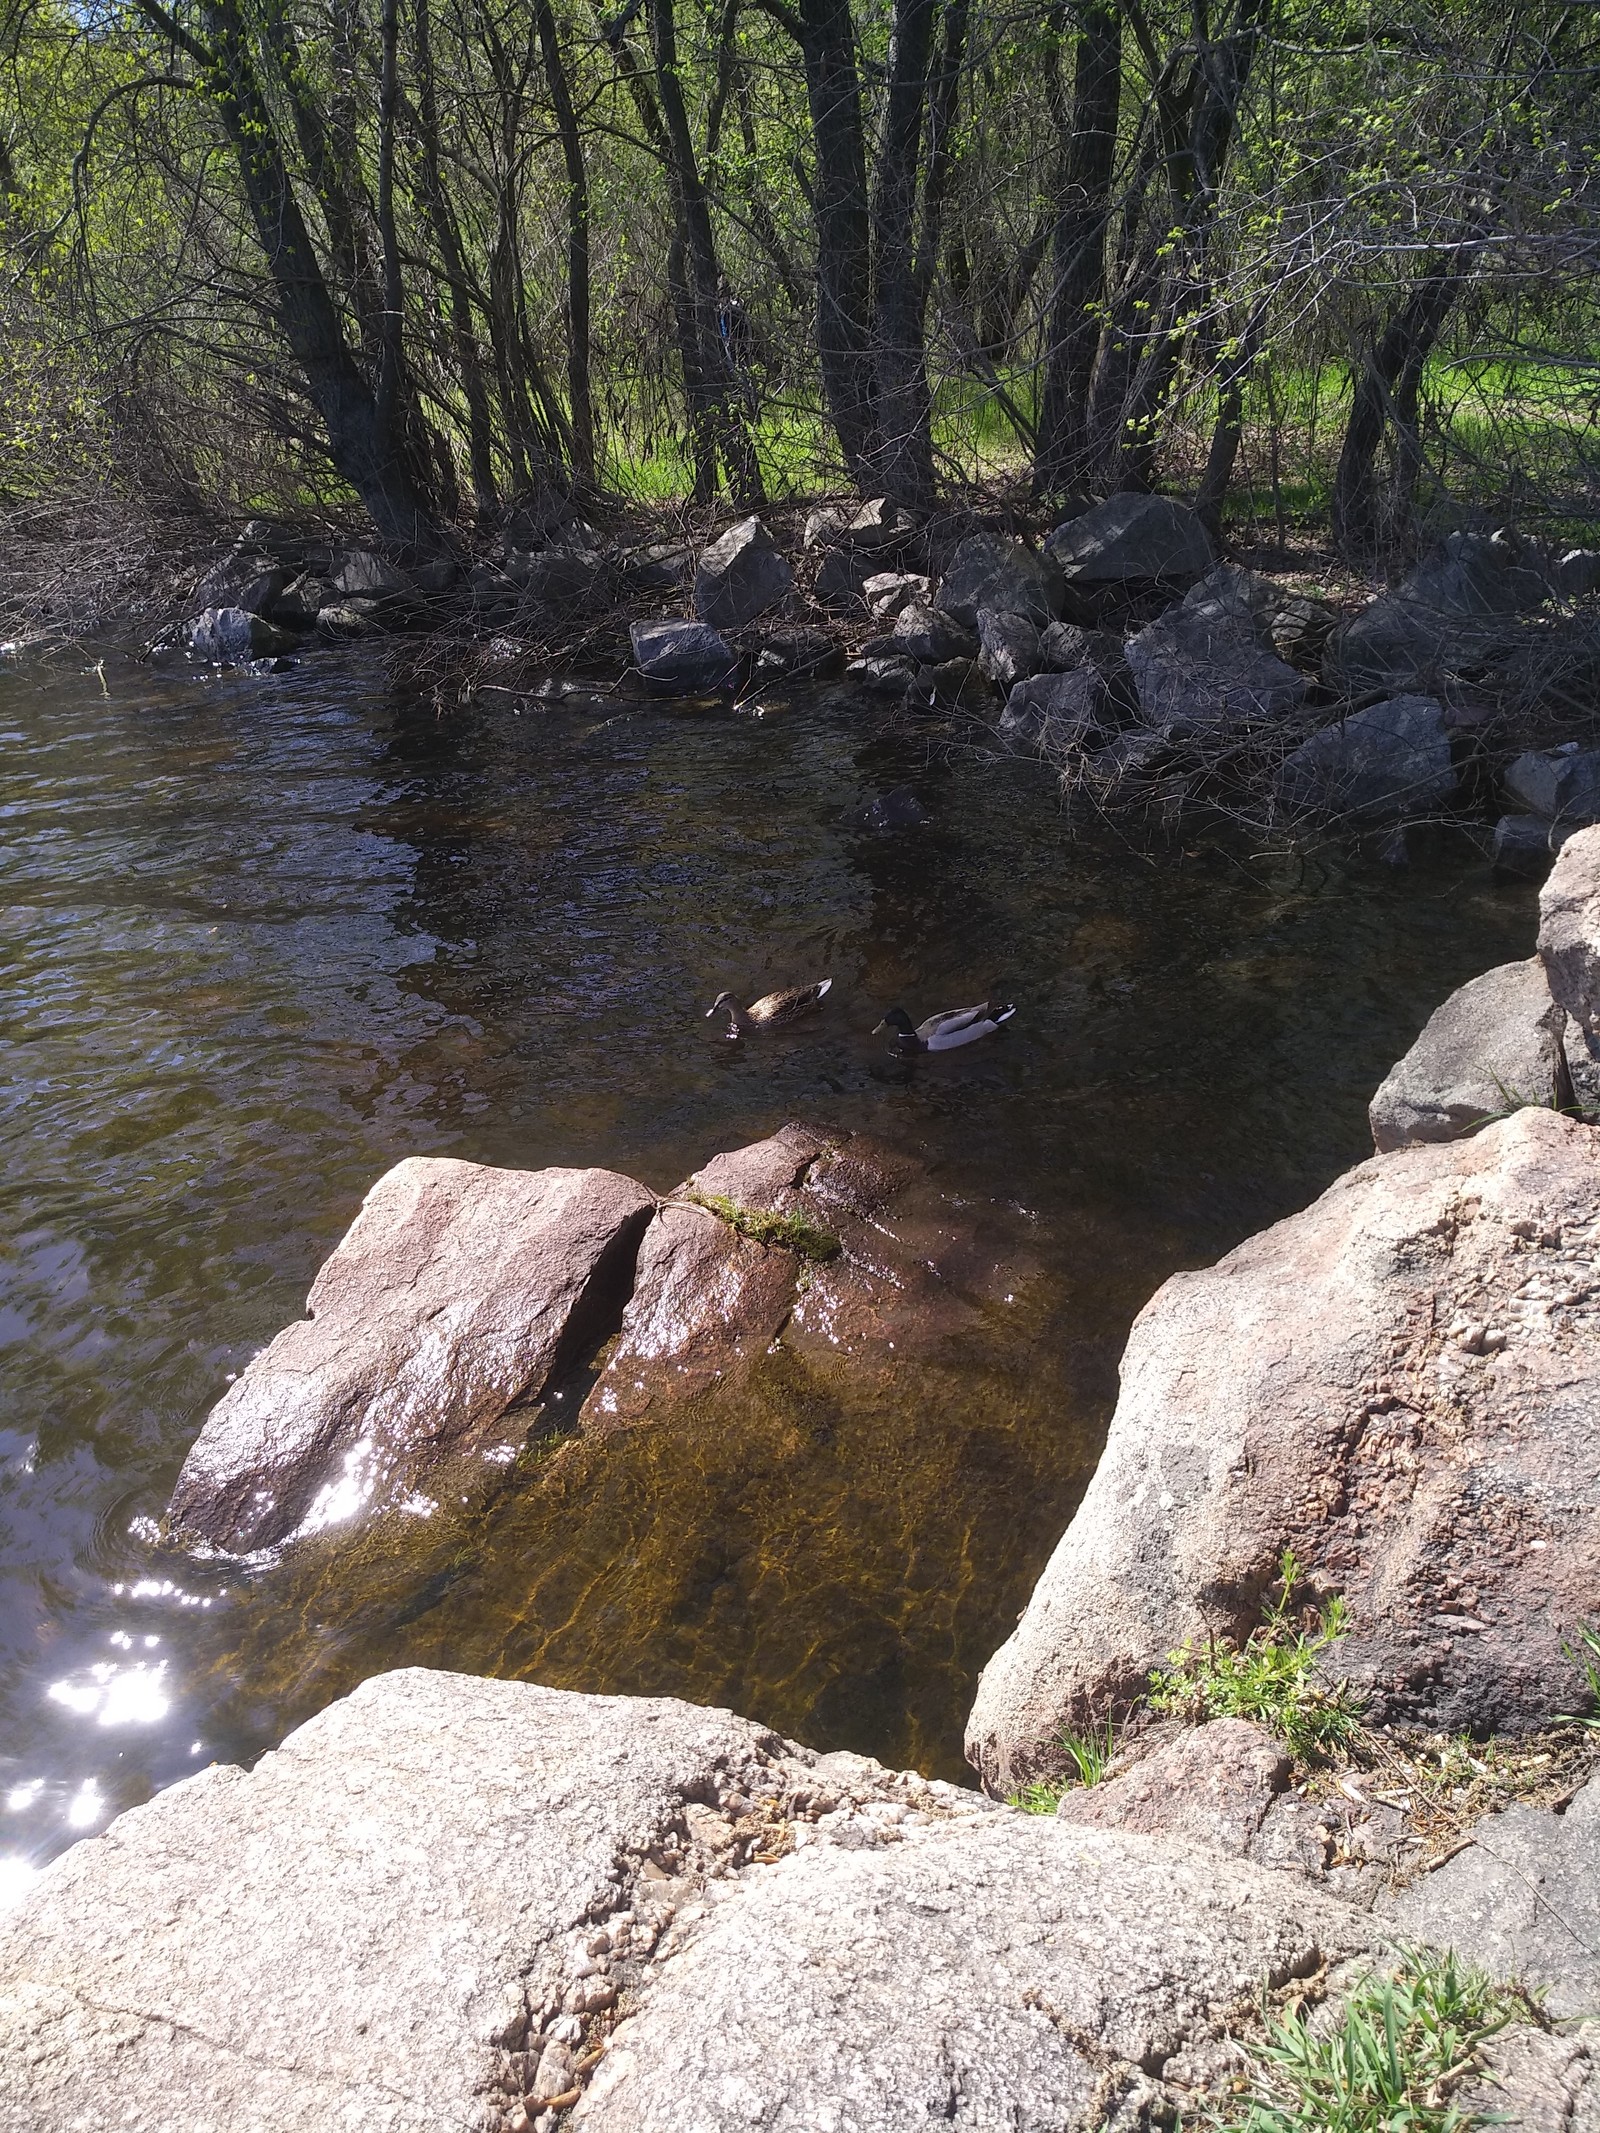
(263, 937)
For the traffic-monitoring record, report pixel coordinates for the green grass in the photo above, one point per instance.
(1585, 1656)
(1389, 2063)
(1088, 1754)
(796, 1233)
(1271, 1678)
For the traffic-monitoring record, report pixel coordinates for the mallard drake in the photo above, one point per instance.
(943, 1032)
(772, 1010)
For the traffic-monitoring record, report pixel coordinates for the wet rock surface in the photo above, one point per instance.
(1495, 1044)
(686, 658)
(458, 1293)
(1400, 1383)
(454, 1902)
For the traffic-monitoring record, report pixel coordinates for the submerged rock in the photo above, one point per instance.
(1569, 932)
(1493, 1046)
(1391, 760)
(458, 1293)
(741, 575)
(227, 636)
(1401, 1384)
(1528, 844)
(442, 1895)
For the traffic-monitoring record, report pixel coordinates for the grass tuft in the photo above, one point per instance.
(796, 1233)
(1391, 2061)
(1585, 1656)
(1088, 1753)
(1270, 1679)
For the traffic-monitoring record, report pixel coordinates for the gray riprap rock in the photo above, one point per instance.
(1562, 784)
(245, 578)
(361, 575)
(1569, 932)
(1008, 646)
(1522, 1900)
(687, 658)
(1401, 1383)
(930, 637)
(1528, 844)
(1131, 539)
(988, 572)
(1008, 1974)
(1577, 573)
(887, 592)
(740, 576)
(1494, 1044)
(1201, 667)
(225, 636)
(862, 529)
(1053, 712)
(556, 577)
(1389, 761)
(458, 1292)
(1460, 606)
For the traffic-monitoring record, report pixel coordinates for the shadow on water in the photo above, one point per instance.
(261, 939)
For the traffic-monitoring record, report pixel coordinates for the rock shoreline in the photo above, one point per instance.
(457, 1903)
(1117, 647)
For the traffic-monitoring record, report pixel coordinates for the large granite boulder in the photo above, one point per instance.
(1495, 1044)
(1569, 932)
(1401, 1383)
(1133, 539)
(1389, 762)
(740, 576)
(1003, 575)
(454, 1903)
(458, 1293)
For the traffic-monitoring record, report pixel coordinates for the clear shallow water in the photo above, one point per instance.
(260, 939)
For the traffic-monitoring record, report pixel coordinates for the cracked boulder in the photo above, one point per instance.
(1495, 1044)
(455, 1300)
(1401, 1384)
(449, 1902)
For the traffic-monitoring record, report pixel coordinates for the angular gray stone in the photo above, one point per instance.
(1199, 671)
(989, 572)
(841, 581)
(688, 658)
(301, 601)
(365, 576)
(457, 1293)
(1132, 539)
(1401, 1382)
(226, 636)
(741, 575)
(1390, 761)
(1528, 844)
(1577, 573)
(351, 618)
(1562, 784)
(1458, 607)
(930, 637)
(424, 1907)
(1495, 1044)
(1569, 932)
(244, 579)
(881, 675)
(1522, 1901)
(886, 592)
(860, 529)
(559, 577)
(1008, 646)
(1055, 712)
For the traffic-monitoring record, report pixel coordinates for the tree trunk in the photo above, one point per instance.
(579, 398)
(365, 453)
(902, 416)
(844, 227)
(1078, 250)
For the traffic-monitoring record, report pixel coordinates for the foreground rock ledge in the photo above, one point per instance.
(441, 1899)
(1402, 1382)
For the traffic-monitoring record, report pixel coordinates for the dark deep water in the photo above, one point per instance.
(260, 938)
